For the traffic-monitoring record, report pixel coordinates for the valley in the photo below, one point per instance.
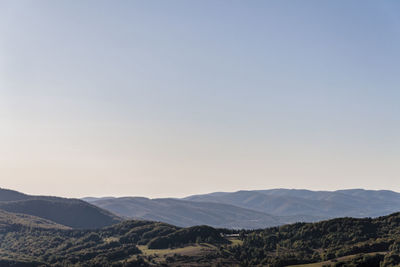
(31, 240)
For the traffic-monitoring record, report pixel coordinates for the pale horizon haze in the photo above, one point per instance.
(173, 98)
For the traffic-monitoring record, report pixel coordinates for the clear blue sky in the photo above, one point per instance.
(171, 98)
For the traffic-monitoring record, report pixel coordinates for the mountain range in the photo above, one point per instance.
(323, 204)
(187, 213)
(254, 209)
(29, 241)
(54, 231)
(234, 210)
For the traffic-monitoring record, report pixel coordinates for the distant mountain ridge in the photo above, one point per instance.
(73, 213)
(187, 213)
(235, 210)
(30, 241)
(255, 208)
(325, 204)
(11, 195)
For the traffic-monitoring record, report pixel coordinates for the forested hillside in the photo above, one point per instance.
(338, 242)
(117, 245)
(9, 220)
(314, 242)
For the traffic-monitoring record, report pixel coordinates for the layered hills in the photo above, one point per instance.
(73, 213)
(10, 220)
(23, 243)
(52, 231)
(255, 209)
(321, 204)
(338, 242)
(188, 213)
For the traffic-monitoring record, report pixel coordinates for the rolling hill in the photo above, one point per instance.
(116, 245)
(338, 242)
(10, 220)
(188, 213)
(354, 242)
(73, 213)
(321, 204)
(255, 209)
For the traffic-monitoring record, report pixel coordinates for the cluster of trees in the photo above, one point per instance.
(387, 259)
(63, 247)
(376, 242)
(111, 246)
(195, 234)
(314, 242)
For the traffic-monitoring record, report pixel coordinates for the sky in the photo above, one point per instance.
(173, 98)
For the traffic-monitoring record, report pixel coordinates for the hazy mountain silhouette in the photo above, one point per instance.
(324, 204)
(68, 212)
(187, 213)
(255, 209)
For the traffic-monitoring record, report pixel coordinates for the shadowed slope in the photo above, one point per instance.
(188, 213)
(11, 220)
(73, 213)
